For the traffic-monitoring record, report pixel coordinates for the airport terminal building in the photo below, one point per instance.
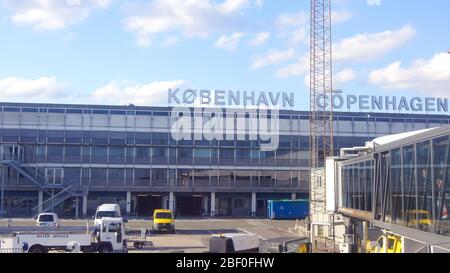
(72, 158)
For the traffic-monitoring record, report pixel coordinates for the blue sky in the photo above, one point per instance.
(118, 52)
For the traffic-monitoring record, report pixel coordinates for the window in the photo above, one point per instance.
(55, 153)
(160, 138)
(185, 177)
(159, 177)
(55, 136)
(74, 137)
(29, 136)
(99, 137)
(116, 177)
(99, 154)
(116, 155)
(143, 138)
(99, 177)
(143, 155)
(142, 177)
(72, 176)
(117, 138)
(185, 155)
(73, 154)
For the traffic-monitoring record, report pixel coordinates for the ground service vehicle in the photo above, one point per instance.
(109, 236)
(47, 220)
(286, 245)
(107, 210)
(234, 243)
(163, 220)
(418, 219)
(387, 243)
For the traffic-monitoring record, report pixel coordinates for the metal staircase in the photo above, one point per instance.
(63, 193)
(60, 197)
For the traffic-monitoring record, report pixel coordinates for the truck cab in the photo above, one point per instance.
(107, 210)
(111, 236)
(386, 243)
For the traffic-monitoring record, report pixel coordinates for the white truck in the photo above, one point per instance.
(107, 210)
(108, 237)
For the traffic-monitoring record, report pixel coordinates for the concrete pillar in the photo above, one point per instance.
(253, 204)
(164, 202)
(85, 201)
(77, 207)
(213, 204)
(365, 236)
(172, 201)
(205, 205)
(294, 196)
(40, 200)
(128, 202)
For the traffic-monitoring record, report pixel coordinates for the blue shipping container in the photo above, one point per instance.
(287, 209)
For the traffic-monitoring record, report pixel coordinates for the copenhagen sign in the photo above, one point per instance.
(382, 103)
(230, 98)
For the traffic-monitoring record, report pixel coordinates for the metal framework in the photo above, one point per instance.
(321, 89)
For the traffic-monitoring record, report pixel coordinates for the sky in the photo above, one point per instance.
(131, 51)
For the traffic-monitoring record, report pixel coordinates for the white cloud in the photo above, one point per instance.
(374, 2)
(230, 42)
(344, 76)
(429, 76)
(170, 41)
(52, 14)
(194, 18)
(296, 19)
(124, 92)
(260, 39)
(340, 16)
(363, 47)
(299, 35)
(300, 68)
(273, 57)
(22, 89)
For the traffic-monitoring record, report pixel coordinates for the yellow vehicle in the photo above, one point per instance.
(418, 219)
(393, 244)
(163, 220)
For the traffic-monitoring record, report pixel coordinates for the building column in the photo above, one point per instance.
(253, 204)
(294, 196)
(164, 202)
(172, 201)
(85, 201)
(128, 202)
(40, 200)
(213, 204)
(77, 207)
(205, 205)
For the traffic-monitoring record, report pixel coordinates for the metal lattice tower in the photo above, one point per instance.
(321, 88)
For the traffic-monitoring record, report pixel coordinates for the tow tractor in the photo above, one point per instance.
(108, 237)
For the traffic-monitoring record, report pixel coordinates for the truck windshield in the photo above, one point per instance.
(102, 214)
(164, 215)
(46, 218)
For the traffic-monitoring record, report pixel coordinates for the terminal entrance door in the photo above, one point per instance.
(146, 204)
(189, 205)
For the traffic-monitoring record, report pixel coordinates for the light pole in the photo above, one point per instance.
(3, 182)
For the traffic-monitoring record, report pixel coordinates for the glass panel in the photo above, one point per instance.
(72, 154)
(159, 177)
(116, 177)
(72, 176)
(99, 177)
(244, 179)
(160, 155)
(185, 156)
(226, 178)
(117, 138)
(99, 137)
(55, 136)
(99, 154)
(201, 156)
(55, 153)
(441, 195)
(185, 178)
(201, 178)
(395, 186)
(143, 155)
(116, 155)
(74, 137)
(226, 156)
(142, 177)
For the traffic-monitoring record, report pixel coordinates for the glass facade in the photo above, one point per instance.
(407, 185)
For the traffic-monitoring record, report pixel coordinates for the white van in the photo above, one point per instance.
(107, 210)
(47, 220)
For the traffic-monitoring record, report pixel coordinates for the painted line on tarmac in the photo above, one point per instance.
(251, 233)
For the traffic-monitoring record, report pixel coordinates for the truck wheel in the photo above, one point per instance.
(37, 249)
(138, 245)
(104, 249)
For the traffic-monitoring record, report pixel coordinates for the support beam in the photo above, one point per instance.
(172, 201)
(205, 205)
(253, 204)
(293, 196)
(85, 201)
(77, 207)
(213, 204)
(164, 201)
(128, 203)
(40, 200)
